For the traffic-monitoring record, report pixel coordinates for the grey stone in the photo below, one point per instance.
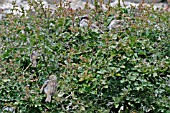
(2, 1)
(54, 1)
(8, 109)
(146, 1)
(90, 1)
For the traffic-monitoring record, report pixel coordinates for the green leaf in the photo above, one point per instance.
(6, 80)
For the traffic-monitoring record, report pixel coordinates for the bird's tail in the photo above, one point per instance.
(34, 64)
(48, 99)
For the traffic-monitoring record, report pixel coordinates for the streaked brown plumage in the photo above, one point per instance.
(33, 58)
(49, 87)
(168, 5)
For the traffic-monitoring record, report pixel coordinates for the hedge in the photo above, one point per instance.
(126, 69)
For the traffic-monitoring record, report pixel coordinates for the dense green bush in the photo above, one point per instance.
(126, 67)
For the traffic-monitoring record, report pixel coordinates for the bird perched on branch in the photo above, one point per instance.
(85, 22)
(168, 5)
(49, 87)
(33, 58)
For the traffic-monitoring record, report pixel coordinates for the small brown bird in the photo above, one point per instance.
(49, 87)
(168, 6)
(33, 58)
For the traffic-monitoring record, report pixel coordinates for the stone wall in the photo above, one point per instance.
(136, 1)
(147, 1)
(6, 4)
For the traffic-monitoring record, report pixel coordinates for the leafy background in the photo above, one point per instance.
(125, 67)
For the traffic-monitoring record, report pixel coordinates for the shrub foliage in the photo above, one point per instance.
(127, 67)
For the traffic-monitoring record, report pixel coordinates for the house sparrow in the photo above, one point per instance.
(84, 22)
(168, 5)
(33, 58)
(114, 24)
(49, 87)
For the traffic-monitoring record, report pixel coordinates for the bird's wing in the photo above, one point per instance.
(44, 85)
(53, 85)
